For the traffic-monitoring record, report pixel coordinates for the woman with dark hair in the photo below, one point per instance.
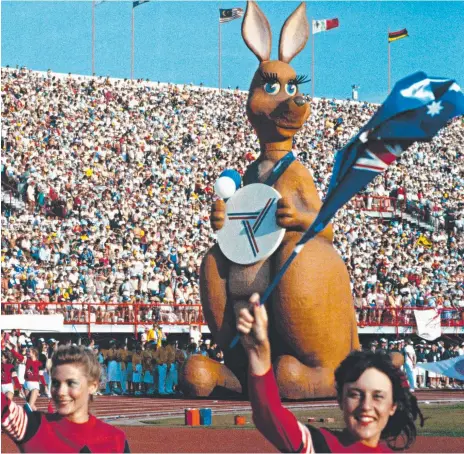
(378, 409)
(75, 376)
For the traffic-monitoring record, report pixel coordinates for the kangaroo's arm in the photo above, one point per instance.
(299, 193)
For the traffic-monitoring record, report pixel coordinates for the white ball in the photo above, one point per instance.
(225, 187)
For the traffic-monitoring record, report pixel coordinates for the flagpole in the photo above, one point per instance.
(389, 61)
(312, 57)
(93, 37)
(132, 46)
(219, 55)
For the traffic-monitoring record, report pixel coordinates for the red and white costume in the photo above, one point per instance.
(285, 432)
(33, 374)
(9, 378)
(41, 432)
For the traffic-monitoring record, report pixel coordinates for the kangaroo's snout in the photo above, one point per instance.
(299, 101)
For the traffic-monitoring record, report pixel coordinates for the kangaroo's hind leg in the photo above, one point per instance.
(299, 381)
(200, 375)
(312, 311)
(217, 308)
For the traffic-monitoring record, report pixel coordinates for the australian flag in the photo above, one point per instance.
(416, 109)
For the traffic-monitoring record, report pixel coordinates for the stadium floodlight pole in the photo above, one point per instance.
(93, 37)
(389, 62)
(132, 46)
(312, 58)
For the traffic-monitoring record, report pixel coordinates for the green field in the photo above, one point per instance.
(441, 420)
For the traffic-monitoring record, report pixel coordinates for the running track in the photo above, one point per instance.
(126, 410)
(113, 408)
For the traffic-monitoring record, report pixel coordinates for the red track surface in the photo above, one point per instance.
(151, 439)
(111, 408)
(163, 439)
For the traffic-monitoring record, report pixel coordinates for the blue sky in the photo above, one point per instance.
(178, 41)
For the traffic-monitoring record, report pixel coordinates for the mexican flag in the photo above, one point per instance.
(324, 25)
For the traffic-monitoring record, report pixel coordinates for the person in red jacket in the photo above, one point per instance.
(75, 376)
(372, 393)
(9, 376)
(33, 375)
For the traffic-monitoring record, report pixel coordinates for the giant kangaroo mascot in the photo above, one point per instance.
(312, 319)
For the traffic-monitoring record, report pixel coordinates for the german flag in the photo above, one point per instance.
(395, 36)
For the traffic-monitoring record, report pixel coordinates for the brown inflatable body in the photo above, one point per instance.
(312, 319)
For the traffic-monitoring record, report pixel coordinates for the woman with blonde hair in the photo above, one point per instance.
(75, 377)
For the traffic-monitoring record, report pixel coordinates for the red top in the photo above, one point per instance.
(283, 430)
(33, 367)
(7, 369)
(33, 370)
(40, 432)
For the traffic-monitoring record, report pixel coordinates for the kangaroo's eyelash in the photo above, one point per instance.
(298, 80)
(270, 78)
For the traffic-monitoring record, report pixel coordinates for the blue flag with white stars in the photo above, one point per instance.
(416, 109)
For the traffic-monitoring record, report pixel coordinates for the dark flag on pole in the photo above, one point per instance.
(227, 15)
(395, 36)
(139, 2)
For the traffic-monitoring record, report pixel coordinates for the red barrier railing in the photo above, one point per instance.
(187, 314)
(375, 203)
(396, 207)
(112, 313)
(389, 316)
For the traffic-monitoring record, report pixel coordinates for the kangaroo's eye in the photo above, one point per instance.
(272, 88)
(290, 89)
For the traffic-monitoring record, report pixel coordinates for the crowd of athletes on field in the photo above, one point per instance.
(146, 365)
(150, 364)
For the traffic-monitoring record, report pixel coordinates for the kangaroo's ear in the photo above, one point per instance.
(256, 32)
(294, 34)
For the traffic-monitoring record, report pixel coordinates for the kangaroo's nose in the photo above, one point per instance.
(299, 101)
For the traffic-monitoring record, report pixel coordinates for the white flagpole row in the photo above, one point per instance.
(132, 46)
(220, 57)
(389, 60)
(312, 58)
(93, 37)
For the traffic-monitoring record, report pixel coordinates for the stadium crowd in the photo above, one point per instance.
(107, 186)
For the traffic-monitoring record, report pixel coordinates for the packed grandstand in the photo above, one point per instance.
(107, 186)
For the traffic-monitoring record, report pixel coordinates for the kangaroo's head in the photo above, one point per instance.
(275, 107)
